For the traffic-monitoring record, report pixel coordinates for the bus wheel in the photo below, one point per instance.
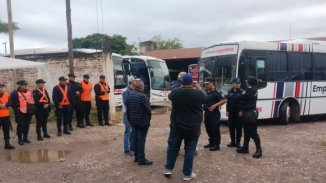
(289, 112)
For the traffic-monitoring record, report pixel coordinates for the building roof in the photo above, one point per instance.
(173, 54)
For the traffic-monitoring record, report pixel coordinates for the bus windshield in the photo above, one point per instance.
(159, 74)
(222, 69)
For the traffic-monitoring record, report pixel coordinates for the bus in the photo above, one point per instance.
(155, 74)
(120, 79)
(193, 70)
(291, 75)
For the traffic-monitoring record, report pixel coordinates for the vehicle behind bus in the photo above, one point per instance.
(194, 71)
(291, 75)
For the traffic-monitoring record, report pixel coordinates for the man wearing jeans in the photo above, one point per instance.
(186, 118)
(128, 129)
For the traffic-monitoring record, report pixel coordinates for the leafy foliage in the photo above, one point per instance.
(174, 43)
(4, 27)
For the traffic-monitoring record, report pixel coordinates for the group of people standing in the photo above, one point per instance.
(67, 96)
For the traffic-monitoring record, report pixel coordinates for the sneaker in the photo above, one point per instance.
(189, 177)
(167, 173)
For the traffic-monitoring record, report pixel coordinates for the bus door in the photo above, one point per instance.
(139, 69)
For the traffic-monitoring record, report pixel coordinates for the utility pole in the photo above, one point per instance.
(10, 30)
(69, 28)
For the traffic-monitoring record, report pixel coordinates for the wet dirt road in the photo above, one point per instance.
(293, 153)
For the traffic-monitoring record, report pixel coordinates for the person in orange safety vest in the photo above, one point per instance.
(102, 90)
(86, 98)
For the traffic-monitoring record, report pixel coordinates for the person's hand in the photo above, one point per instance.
(227, 114)
(46, 106)
(240, 114)
(212, 108)
(77, 93)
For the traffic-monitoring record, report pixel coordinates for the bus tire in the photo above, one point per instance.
(289, 112)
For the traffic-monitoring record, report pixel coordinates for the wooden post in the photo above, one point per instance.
(69, 29)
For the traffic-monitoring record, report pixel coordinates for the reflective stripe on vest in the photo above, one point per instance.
(87, 90)
(104, 89)
(23, 100)
(44, 98)
(64, 101)
(4, 100)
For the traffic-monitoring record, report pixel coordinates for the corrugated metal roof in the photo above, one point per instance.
(182, 53)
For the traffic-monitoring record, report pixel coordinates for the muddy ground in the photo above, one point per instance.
(293, 153)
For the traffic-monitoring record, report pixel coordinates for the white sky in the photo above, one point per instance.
(198, 23)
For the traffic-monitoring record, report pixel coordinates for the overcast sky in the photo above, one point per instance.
(198, 23)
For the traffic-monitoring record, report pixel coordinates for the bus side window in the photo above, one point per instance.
(300, 66)
(320, 66)
(260, 69)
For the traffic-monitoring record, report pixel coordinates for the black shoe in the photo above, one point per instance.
(89, 124)
(145, 162)
(108, 124)
(100, 124)
(8, 145)
(258, 154)
(47, 136)
(39, 137)
(238, 146)
(232, 144)
(21, 142)
(81, 126)
(136, 160)
(27, 141)
(214, 148)
(67, 132)
(70, 128)
(243, 150)
(208, 145)
(59, 134)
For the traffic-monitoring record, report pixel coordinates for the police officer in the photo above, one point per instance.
(102, 90)
(249, 114)
(43, 108)
(19, 99)
(61, 97)
(86, 99)
(75, 91)
(212, 114)
(5, 122)
(232, 111)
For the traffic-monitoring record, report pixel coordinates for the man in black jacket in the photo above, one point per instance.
(102, 90)
(139, 116)
(19, 99)
(76, 105)
(61, 97)
(43, 108)
(186, 117)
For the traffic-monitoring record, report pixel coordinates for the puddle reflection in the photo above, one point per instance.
(39, 156)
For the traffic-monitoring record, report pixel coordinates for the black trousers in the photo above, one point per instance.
(42, 121)
(77, 107)
(250, 129)
(5, 123)
(212, 123)
(103, 111)
(87, 106)
(235, 127)
(63, 117)
(23, 122)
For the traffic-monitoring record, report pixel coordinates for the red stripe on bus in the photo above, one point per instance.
(300, 47)
(297, 89)
(273, 102)
(292, 47)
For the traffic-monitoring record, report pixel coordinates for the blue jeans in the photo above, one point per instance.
(140, 134)
(174, 143)
(128, 135)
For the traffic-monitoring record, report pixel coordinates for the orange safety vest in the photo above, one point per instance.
(4, 100)
(87, 90)
(44, 98)
(104, 89)
(24, 99)
(64, 101)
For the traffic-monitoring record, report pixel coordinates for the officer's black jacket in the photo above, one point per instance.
(213, 97)
(57, 95)
(248, 99)
(232, 105)
(74, 87)
(98, 91)
(37, 95)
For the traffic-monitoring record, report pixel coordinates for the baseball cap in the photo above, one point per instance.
(181, 74)
(62, 78)
(22, 82)
(132, 78)
(236, 80)
(86, 76)
(102, 77)
(251, 80)
(2, 85)
(40, 81)
(72, 75)
(187, 79)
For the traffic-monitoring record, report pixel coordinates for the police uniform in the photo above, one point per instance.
(5, 122)
(76, 104)
(212, 119)
(19, 99)
(43, 108)
(249, 120)
(102, 91)
(61, 97)
(233, 108)
(86, 100)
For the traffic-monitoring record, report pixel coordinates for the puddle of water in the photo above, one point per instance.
(39, 156)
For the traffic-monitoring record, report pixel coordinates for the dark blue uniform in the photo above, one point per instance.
(212, 119)
(233, 108)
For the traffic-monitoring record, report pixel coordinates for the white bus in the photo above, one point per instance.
(155, 74)
(291, 75)
(120, 79)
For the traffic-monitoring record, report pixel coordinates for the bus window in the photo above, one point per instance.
(300, 66)
(277, 66)
(260, 70)
(320, 66)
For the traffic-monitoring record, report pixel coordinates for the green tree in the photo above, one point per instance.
(116, 43)
(4, 27)
(174, 43)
